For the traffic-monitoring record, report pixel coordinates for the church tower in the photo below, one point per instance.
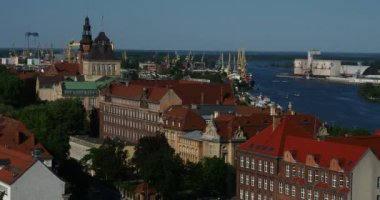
(86, 41)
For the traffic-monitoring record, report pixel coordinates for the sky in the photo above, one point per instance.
(256, 25)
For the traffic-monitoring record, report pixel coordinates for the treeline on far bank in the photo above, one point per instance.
(370, 92)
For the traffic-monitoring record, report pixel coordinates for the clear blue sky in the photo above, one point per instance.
(258, 25)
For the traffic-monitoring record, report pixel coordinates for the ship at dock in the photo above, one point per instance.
(237, 70)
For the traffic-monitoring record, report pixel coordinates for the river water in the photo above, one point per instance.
(335, 103)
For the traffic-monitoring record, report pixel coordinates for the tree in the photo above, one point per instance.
(11, 88)
(159, 166)
(54, 122)
(109, 161)
(342, 131)
(208, 178)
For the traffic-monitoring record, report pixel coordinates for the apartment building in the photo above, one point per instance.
(288, 161)
(130, 112)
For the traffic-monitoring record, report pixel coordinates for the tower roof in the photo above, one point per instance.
(102, 48)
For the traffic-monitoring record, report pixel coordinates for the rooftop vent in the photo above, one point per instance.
(4, 162)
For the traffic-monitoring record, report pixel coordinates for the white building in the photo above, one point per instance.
(314, 67)
(23, 177)
(329, 68)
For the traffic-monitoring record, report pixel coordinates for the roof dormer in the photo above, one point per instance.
(336, 165)
(312, 160)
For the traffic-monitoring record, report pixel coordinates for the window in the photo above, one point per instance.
(333, 180)
(294, 171)
(271, 169)
(246, 179)
(378, 182)
(308, 194)
(309, 176)
(316, 175)
(246, 195)
(316, 195)
(287, 170)
(265, 166)
(326, 177)
(260, 165)
(302, 193)
(271, 185)
(293, 190)
(303, 172)
(340, 197)
(241, 161)
(348, 182)
(247, 162)
(252, 196)
(252, 163)
(322, 177)
(299, 172)
(259, 197)
(280, 187)
(326, 196)
(341, 182)
(259, 182)
(286, 189)
(265, 184)
(252, 181)
(241, 194)
(241, 178)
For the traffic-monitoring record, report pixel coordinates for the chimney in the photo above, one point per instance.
(216, 114)
(4, 162)
(272, 109)
(276, 122)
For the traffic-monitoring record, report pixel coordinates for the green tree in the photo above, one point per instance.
(208, 178)
(54, 122)
(11, 88)
(109, 161)
(342, 131)
(159, 166)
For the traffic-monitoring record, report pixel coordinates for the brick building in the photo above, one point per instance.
(288, 161)
(135, 110)
(194, 135)
(130, 112)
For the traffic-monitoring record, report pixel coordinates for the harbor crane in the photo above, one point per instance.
(35, 35)
(69, 52)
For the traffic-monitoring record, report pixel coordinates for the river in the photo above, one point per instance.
(335, 103)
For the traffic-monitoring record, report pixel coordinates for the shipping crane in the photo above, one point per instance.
(69, 52)
(35, 35)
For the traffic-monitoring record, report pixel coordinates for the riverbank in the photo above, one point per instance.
(337, 103)
(349, 80)
(370, 92)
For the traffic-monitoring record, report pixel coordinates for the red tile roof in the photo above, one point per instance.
(63, 69)
(228, 124)
(291, 135)
(271, 142)
(13, 165)
(186, 117)
(136, 92)
(348, 155)
(14, 135)
(193, 92)
(372, 142)
(23, 75)
(249, 110)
